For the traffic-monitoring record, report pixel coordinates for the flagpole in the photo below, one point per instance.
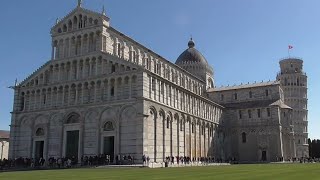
(289, 48)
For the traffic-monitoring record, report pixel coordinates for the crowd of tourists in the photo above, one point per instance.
(103, 159)
(65, 162)
(300, 160)
(188, 160)
(184, 160)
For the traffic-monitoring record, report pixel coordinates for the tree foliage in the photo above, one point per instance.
(314, 148)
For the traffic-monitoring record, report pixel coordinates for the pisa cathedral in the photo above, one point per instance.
(104, 93)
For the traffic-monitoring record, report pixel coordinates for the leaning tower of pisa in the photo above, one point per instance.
(294, 85)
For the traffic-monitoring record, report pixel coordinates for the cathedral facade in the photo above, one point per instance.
(104, 93)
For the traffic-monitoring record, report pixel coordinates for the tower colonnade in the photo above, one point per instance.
(294, 84)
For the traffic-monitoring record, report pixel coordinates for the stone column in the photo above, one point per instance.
(63, 96)
(163, 119)
(82, 45)
(77, 68)
(84, 66)
(43, 78)
(184, 137)
(90, 67)
(130, 87)
(102, 66)
(96, 70)
(51, 97)
(62, 49)
(76, 99)
(156, 89)
(57, 97)
(52, 51)
(95, 92)
(200, 140)
(204, 141)
(82, 92)
(59, 72)
(178, 137)
(34, 100)
(70, 72)
(195, 140)
(69, 95)
(190, 140)
(40, 100)
(57, 51)
(115, 89)
(70, 47)
(46, 145)
(171, 145)
(88, 43)
(155, 137)
(81, 140)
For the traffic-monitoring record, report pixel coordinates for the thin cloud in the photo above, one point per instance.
(182, 19)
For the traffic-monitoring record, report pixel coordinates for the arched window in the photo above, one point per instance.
(64, 28)
(192, 128)
(168, 123)
(108, 126)
(22, 102)
(75, 22)
(73, 118)
(249, 113)
(250, 94)
(40, 132)
(235, 96)
(112, 91)
(244, 137)
(119, 49)
(69, 25)
(268, 112)
(267, 92)
(285, 81)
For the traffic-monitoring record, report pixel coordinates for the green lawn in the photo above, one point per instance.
(244, 172)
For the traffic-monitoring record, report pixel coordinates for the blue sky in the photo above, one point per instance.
(243, 40)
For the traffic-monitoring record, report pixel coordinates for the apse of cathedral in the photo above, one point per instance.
(102, 92)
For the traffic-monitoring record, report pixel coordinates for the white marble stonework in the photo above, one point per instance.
(104, 92)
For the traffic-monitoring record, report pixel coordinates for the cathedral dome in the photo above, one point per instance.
(195, 63)
(191, 56)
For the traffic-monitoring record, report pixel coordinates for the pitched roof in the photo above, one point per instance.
(249, 104)
(4, 134)
(244, 86)
(281, 104)
(256, 104)
(80, 9)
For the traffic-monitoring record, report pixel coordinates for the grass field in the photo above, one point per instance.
(243, 172)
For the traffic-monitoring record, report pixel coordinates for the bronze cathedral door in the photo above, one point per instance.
(72, 145)
(108, 147)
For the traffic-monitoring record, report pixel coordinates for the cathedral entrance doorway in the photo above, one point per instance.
(264, 155)
(108, 146)
(39, 149)
(72, 145)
